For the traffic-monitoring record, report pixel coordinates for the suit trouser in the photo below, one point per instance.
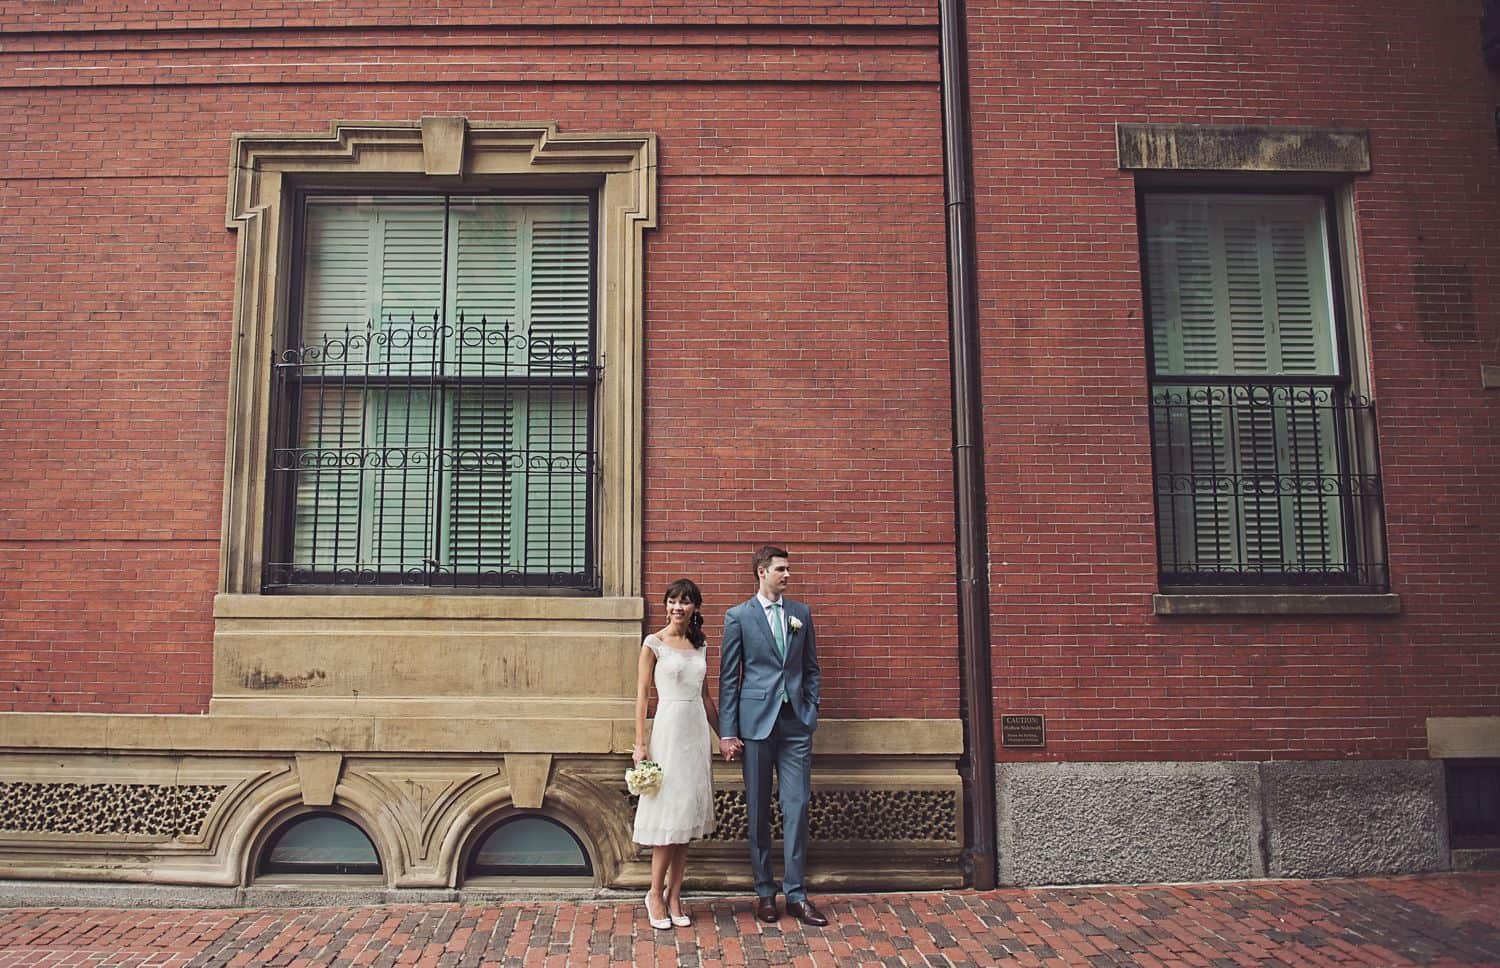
(789, 750)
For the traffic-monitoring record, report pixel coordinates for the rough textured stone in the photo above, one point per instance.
(311, 896)
(1327, 819)
(1210, 147)
(421, 895)
(39, 894)
(1082, 822)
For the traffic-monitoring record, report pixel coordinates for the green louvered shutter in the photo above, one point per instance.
(1308, 435)
(519, 491)
(399, 487)
(373, 279)
(409, 236)
(403, 418)
(1239, 287)
(1249, 298)
(485, 281)
(325, 525)
(337, 307)
(1191, 336)
(557, 420)
(481, 485)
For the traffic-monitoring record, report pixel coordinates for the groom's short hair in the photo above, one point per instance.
(763, 557)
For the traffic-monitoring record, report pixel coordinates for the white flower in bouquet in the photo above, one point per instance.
(644, 778)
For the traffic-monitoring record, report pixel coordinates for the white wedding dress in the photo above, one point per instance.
(682, 808)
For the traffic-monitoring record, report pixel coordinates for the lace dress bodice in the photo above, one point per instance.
(679, 673)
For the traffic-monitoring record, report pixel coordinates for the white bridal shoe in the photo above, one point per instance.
(661, 924)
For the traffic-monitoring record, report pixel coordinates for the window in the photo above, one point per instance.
(320, 843)
(529, 844)
(433, 404)
(1264, 458)
(1473, 803)
(274, 179)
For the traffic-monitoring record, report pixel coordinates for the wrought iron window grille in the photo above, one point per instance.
(419, 452)
(1266, 482)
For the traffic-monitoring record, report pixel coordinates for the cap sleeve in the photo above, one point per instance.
(651, 643)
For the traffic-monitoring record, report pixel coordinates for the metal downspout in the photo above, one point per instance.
(975, 694)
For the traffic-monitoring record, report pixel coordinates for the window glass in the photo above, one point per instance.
(1239, 286)
(530, 845)
(321, 844)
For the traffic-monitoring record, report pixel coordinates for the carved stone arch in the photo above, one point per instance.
(576, 802)
(244, 820)
(283, 803)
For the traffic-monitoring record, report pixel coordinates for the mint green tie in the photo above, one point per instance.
(778, 631)
(780, 635)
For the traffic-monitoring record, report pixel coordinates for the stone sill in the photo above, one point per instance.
(1195, 604)
(444, 607)
(1463, 737)
(353, 735)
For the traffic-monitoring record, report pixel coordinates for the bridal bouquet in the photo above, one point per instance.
(644, 778)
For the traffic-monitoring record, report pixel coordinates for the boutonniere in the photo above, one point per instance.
(795, 623)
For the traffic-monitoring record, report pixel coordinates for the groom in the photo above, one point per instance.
(768, 708)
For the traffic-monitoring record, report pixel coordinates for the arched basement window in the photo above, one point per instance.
(530, 845)
(320, 843)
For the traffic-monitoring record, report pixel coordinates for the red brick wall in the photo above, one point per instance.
(1067, 445)
(795, 284)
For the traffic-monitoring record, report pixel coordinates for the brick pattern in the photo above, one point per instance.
(1450, 920)
(797, 276)
(1067, 437)
(798, 268)
(92, 16)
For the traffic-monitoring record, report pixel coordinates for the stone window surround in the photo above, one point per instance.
(1204, 156)
(438, 153)
(396, 656)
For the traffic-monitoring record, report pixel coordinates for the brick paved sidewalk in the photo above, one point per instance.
(1438, 920)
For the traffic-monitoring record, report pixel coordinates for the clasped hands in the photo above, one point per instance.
(730, 749)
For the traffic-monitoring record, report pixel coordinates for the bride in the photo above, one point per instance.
(682, 808)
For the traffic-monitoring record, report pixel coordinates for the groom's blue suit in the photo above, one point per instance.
(772, 706)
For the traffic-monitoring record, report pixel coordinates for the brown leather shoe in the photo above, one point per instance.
(805, 912)
(765, 909)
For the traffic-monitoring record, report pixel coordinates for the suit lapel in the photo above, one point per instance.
(791, 633)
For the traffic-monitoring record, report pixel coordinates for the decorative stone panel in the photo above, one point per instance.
(868, 815)
(106, 808)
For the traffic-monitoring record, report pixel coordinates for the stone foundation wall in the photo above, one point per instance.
(1135, 822)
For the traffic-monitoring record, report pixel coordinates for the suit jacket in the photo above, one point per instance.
(752, 676)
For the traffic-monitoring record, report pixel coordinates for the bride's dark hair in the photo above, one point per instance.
(684, 588)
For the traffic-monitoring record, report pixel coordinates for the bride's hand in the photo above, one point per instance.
(639, 754)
